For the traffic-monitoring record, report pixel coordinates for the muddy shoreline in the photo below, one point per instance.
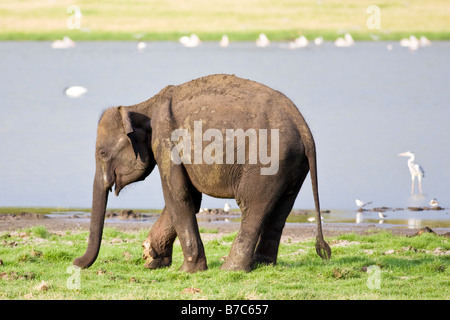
(220, 223)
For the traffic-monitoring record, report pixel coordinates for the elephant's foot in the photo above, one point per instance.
(154, 260)
(233, 265)
(264, 259)
(192, 267)
(266, 254)
(158, 263)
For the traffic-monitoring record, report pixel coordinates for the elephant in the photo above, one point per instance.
(132, 140)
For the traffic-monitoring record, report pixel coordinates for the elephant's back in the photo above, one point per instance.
(226, 88)
(218, 84)
(226, 100)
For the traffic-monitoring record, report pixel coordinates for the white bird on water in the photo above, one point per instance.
(299, 42)
(225, 41)
(347, 41)
(192, 41)
(359, 217)
(262, 41)
(75, 91)
(415, 169)
(412, 43)
(318, 41)
(226, 207)
(434, 203)
(362, 204)
(65, 43)
(141, 45)
(424, 42)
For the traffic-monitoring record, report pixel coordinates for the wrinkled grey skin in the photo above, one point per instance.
(132, 140)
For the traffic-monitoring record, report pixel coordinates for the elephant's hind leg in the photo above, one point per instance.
(255, 208)
(267, 249)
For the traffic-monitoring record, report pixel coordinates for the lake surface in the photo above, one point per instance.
(364, 104)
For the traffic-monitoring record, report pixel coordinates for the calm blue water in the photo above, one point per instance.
(364, 104)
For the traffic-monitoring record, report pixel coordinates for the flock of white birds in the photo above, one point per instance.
(413, 43)
(263, 41)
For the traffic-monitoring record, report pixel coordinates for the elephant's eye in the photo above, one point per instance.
(103, 153)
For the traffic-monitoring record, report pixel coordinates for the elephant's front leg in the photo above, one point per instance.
(182, 202)
(159, 242)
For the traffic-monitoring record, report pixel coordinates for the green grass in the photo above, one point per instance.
(241, 20)
(413, 271)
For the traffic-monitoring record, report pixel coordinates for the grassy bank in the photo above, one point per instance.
(241, 20)
(36, 264)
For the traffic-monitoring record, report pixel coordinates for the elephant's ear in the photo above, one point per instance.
(128, 127)
(126, 121)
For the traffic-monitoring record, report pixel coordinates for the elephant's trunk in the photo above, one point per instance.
(99, 201)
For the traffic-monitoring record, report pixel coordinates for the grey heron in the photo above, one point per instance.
(415, 169)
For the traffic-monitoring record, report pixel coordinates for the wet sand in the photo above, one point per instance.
(293, 232)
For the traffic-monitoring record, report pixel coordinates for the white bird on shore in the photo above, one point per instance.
(262, 41)
(192, 41)
(382, 216)
(347, 41)
(75, 91)
(434, 203)
(226, 207)
(312, 219)
(362, 204)
(65, 43)
(414, 169)
(224, 42)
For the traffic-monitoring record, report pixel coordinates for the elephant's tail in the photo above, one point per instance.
(322, 248)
